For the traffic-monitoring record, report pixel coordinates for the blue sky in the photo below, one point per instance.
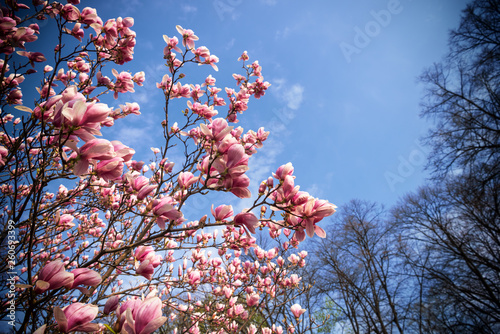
(347, 120)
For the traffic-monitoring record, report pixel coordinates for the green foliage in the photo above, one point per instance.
(328, 316)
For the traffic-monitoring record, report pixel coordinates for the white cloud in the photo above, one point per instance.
(134, 137)
(230, 44)
(294, 96)
(291, 95)
(283, 34)
(188, 9)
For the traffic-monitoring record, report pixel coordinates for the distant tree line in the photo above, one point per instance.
(431, 263)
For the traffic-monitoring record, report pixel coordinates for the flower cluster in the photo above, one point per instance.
(103, 236)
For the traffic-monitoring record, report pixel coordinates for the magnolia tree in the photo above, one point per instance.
(96, 241)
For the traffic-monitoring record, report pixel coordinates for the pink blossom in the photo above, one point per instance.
(122, 151)
(171, 44)
(85, 276)
(194, 277)
(222, 212)
(164, 210)
(244, 56)
(70, 12)
(99, 149)
(15, 97)
(252, 299)
(148, 261)
(297, 310)
(76, 317)
(111, 304)
(33, 57)
(202, 109)
(65, 221)
(147, 317)
(139, 184)
(212, 60)
(53, 276)
(77, 32)
(283, 171)
(239, 186)
(124, 83)
(111, 169)
(186, 179)
(314, 211)
(216, 130)
(248, 220)
(3, 155)
(131, 108)
(188, 37)
(89, 16)
(139, 78)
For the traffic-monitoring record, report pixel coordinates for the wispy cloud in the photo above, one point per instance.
(134, 137)
(283, 34)
(189, 9)
(292, 95)
(230, 44)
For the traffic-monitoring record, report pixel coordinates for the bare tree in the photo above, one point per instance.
(463, 96)
(456, 229)
(357, 269)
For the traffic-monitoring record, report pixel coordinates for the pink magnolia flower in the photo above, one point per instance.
(53, 276)
(147, 317)
(147, 261)
(77, 32)
(252, 299)
(129, 304)
(164, 210)
(283, 171)
(124, 83)
(33, 57)
(3, 155)
(111, 169)
(139, 184)
(194, 278)
(202, 109)
(216, 130)
(171, 44)
(239, 186)
(122, 151)
(131, 108)
(212, 60)
(139, 78)
(111, 304)
(85, 276)
(98, 149)
(15, 97)
(70, 12)
(252, 329)
(248, 220)
(188, 37)
(76, 317)
(222, 212)
(297, 310)
(187, 179)
(89, 16)
(314, 211)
